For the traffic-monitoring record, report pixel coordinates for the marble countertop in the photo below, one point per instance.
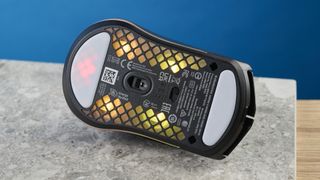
(40, 138)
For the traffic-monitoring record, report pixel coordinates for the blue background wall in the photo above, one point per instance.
(279, 38)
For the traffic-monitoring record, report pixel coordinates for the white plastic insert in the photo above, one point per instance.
(222, 108)
(87, 66)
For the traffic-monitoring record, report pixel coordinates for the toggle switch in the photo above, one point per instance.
(174, 94)
(137, 83)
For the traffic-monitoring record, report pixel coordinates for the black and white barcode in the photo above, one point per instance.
(109, 75)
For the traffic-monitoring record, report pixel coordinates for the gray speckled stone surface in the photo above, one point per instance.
(41, 139)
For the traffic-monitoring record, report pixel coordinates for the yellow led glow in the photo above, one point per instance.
(141, 40)
(161, 116)
(103, 110)
(165, 124)
(99, 103)
(117, 121)
(180, 136)
(176, 129)
(142, 117)
(145, 47)
(156, 50)
(137, 51)
(153, 120)
(139, 109)
(160, 58)
(106, 99)
(157, 128)
(148, 119)
(171, 61)
(123, 41)
(150, 113)
(130, 55)
(153, 62)
(175, 68)
(183, 64)
(114, 114)
(117, 102)
(126, 48)
(134, 44)
(202, 63)
(124, 117)
(110, 106)
(106, 117)
(119, 33)
(119, 52)
(190, 60)
(164, 65)
(149, 51)
(142, 58)
(167, 53)
(116, 45)
(169, 132)
(132, 113)
(135, 121)
(195, 67)
(96, 114)
(120, 110)
(146, 125)
(178, 57)
(149, 54)
(130, 36)
(128, 105)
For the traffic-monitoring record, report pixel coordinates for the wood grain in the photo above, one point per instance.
(308, 139)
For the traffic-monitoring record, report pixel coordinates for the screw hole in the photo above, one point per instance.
(213, 66)
(192, 139)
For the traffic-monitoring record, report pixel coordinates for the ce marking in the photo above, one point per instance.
(128, 65)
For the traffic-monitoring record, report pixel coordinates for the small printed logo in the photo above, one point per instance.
(113, 59)
(183, 113)
(172, 118)
(109, 75)
(164, 76)
(192, 84)
(198, 75)
(165, 107)
(185, 73)
(175, 80)
(113, 92)
(146, 103)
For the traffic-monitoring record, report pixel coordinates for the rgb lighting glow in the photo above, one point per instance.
(108, 109)
(131, 45)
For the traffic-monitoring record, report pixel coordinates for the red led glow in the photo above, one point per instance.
(86, 68)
